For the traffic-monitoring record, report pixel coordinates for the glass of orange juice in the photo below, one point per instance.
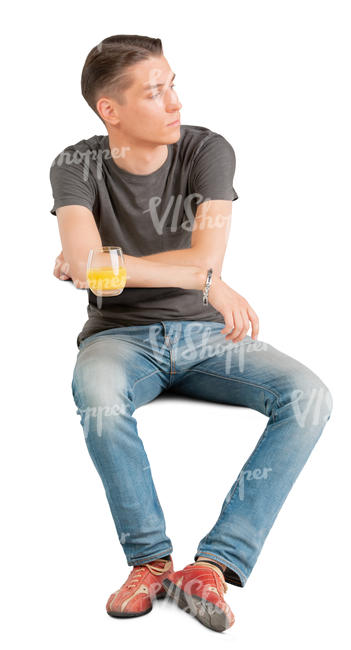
(106, 271)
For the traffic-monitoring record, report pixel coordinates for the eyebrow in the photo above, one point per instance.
(150, 86)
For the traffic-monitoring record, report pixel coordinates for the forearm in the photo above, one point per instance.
(182, 256)
(185, 256)
(142, 272)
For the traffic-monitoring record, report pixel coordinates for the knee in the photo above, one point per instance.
(100, 404)
(95, 389)
(311, 398)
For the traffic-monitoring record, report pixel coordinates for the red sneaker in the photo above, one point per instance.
(198, 589)
(142, 586)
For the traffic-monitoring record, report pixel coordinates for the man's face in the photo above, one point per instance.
(147, 111)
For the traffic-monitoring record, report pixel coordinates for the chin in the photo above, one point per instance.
(174, 137)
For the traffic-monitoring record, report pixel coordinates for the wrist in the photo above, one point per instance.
(215, 279)
(201, 278)
(209, 278)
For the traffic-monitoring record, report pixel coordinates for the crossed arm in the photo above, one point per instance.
(183, 267)
(209, 238)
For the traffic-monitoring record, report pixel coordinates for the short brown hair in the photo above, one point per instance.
(104, 70)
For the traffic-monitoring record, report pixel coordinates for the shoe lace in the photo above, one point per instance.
(223, 583)
(157, 567)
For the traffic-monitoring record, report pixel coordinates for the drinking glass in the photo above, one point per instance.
(106, 271)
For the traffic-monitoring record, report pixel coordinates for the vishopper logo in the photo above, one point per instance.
(256, 474)
(78, 157)
(228, 348)
(123, 537)
(194, 348)
(194, 606)
(182, 205)
(98, 412)
(311, 405)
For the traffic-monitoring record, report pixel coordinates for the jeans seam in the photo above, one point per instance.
(235, 485)
(106, 481)
(147, 376)
(258, 445)
(241, 381)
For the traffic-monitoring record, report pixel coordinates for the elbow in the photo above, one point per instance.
(77, 270)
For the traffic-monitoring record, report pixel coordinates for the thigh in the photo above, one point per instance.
(248, 373)
(113, 369)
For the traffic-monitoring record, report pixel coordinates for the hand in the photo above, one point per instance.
(61, 268)
(61, 271)
(236, 311)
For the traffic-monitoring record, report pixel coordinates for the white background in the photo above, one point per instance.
(274, 79)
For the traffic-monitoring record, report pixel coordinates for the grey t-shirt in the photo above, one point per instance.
(145, 214)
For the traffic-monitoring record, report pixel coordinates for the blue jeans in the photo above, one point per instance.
(118, 370)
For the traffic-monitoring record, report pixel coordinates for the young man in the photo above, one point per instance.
(163, 192)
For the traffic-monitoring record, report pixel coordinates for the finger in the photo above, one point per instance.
(254, 322)
(238, 326)
(240, 336)
(246, 327)
(65, 268)
(229, 323)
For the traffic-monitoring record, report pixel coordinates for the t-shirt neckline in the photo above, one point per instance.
(129, 175)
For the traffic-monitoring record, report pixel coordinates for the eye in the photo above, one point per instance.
(158, 94)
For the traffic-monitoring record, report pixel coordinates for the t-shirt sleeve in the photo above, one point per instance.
(213, 170)
(70, 182)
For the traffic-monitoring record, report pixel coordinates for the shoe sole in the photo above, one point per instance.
(203, 610)
(132, 614)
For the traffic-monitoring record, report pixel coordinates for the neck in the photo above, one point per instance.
(136, 157)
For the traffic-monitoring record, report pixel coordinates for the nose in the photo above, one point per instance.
(174, 106)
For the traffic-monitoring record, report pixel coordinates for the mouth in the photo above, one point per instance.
(175, 123)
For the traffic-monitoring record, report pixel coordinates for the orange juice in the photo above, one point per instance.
(104, 278)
